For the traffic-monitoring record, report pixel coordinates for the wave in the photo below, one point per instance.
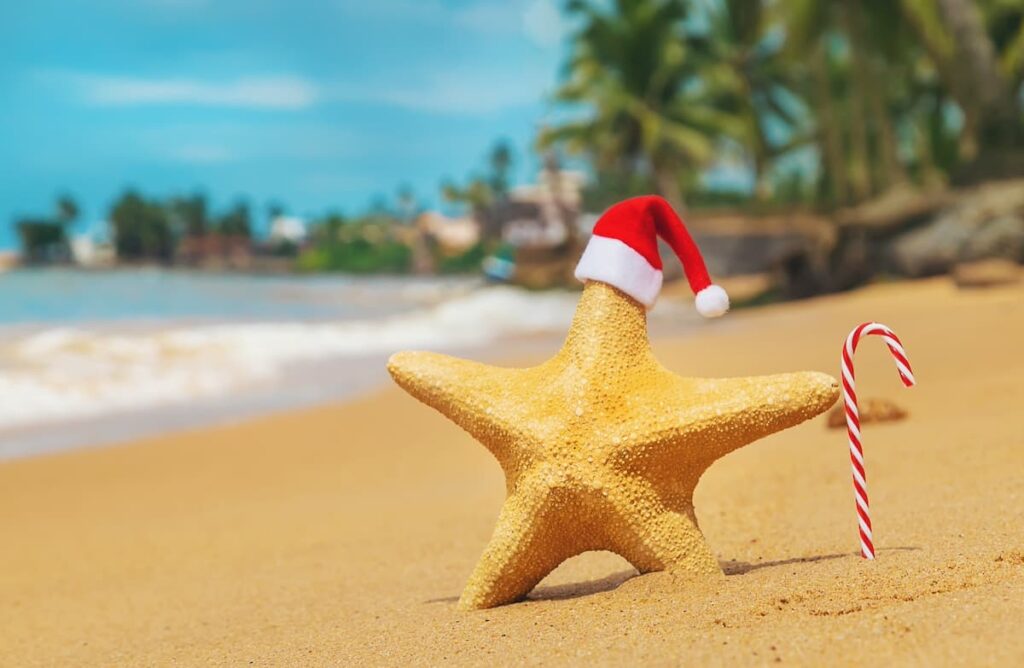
(75, 372)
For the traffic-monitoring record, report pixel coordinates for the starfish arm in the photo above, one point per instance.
(474, 396)
(656, 533)
(528, 542)
(697, 421)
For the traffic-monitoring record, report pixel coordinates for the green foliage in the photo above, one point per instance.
(190, 214)
(649, 88)
(884, 92)
(356, 257)
(142, 229)
(613, 185)
(501, 162)
(482, 195)
(466, 262)
(67, 209)
(793, 187)
(478, 195)
(45, 240)
(150, 229)
(406, 206)
(275, 210)
(236, 222)
(354, 248)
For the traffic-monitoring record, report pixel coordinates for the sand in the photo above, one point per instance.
(343, 535)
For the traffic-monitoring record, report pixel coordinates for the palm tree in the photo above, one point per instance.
(813, 30)
(501, 161)
(756, 82)
(237, 221)
(981, 68)
(45, 240)
(190, 215)
(859, 53)
(67, 209)
(142, 229)
(637, 71)
(478, 197)
(406, 205)
(887, 54)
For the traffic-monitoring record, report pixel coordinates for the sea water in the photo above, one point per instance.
(89, 357)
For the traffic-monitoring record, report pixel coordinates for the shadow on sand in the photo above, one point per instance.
(613, 581)
(732, 567)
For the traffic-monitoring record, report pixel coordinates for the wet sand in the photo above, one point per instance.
(343, 535)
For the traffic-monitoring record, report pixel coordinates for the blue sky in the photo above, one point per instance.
(316, 104)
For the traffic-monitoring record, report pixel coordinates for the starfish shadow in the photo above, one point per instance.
(610, 582)
(565, 591)
(585, 588)
(443, 599)
(732, 567)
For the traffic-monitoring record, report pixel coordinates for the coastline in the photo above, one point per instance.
(342, 534)
(86, 360)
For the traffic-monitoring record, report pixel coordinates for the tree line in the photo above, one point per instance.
(879, 93)
(142, 228)
(824, 103)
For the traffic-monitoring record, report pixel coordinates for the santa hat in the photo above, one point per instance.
(623, 252)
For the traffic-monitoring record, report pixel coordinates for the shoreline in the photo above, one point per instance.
(303, 386)
(343, 534)
(299, 345)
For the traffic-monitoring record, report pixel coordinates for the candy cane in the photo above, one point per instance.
(860, 485)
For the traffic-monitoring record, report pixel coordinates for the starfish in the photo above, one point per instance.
(601, 446)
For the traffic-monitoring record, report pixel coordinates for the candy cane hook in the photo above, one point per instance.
(860, 485)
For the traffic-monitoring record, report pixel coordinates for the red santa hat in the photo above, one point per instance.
(623, 252)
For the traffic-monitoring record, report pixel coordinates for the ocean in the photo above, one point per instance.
(94, 357)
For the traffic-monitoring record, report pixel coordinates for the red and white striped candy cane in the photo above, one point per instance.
(860, 485)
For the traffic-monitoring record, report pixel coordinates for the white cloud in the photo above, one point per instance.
(266, 139)
(464, 91)
(282, 92)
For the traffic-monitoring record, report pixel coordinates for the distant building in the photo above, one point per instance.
(216, 251)
(451, 234)
(564, 184)
(288, 229)
(543, 214)
(89, 251)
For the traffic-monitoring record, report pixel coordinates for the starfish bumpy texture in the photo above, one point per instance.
(601, 446)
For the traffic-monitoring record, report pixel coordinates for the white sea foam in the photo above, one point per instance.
(63, 373)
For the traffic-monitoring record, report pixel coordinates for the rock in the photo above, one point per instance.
(897, 207)
(985, 222)
(1001, 237)
(742, 290)
(871, 410)
(986, 273)
(542, 267)
(932, 249)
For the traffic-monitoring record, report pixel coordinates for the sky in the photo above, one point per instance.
(318, 105)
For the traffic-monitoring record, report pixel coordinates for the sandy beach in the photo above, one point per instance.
(343, 535)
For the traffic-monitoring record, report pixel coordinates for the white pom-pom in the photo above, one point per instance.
(712, 301)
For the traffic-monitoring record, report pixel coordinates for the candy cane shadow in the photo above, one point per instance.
(732, 567)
